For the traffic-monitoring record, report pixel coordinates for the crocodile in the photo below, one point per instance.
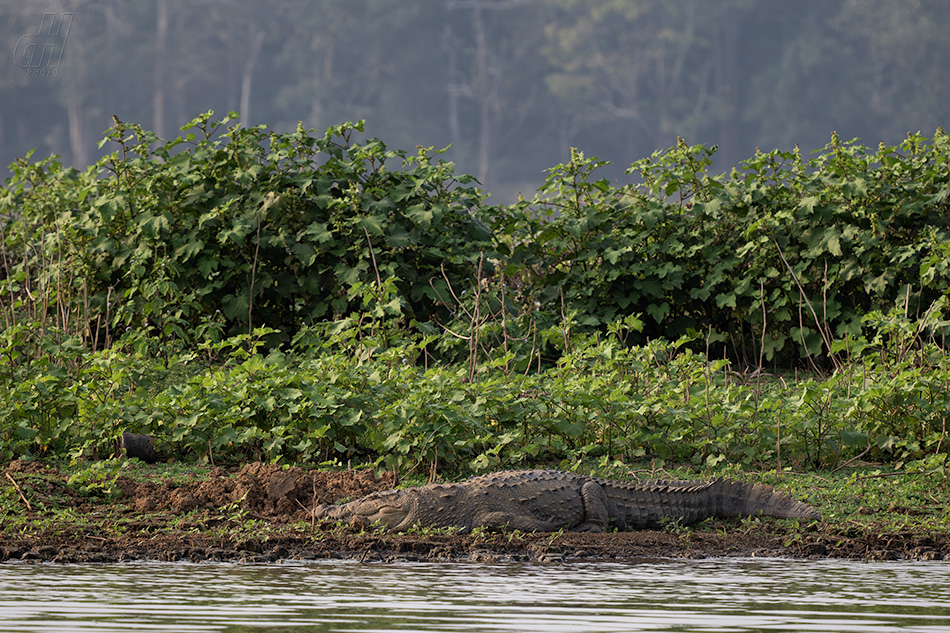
(552, 500)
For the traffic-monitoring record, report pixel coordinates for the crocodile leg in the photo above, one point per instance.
(595, 508)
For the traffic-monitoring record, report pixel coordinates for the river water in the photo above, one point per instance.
(671, 595)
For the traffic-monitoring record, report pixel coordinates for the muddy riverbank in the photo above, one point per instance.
(262, 513)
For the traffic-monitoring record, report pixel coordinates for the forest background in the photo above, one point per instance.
(511, 85)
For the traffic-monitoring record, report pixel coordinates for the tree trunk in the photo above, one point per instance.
(483, 93)
(161, 45)
(257, 40)
(77, 122)
(729, 89)
(450, 46)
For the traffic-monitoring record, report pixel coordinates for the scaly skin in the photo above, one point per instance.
(551, 500)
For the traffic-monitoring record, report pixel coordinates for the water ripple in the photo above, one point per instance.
(717, 595)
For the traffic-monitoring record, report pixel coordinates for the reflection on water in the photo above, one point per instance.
(710, 595)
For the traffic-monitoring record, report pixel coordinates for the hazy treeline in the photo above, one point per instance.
(510, 84)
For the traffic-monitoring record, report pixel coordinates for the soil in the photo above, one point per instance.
(262, 513)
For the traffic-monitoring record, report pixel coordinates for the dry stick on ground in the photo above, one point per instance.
(854, 459)
(312, 512)
(313, 509)
(20, 492)
(896, 474)
(778, 430)
(313, 499)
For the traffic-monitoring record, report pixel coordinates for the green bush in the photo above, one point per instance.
(240, 225)
(240, 294)
(773, 261)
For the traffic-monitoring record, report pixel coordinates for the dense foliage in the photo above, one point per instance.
(330, 398)
(164, 237)
(782, 254)
(242, 294)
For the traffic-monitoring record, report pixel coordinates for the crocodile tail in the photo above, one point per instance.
(737, 499)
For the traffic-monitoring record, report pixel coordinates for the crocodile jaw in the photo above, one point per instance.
(387, 515)
(388, 509)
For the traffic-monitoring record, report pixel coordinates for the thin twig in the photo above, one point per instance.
(818, 323)
(565, 326)
(372, 256)
(250, 298)
(778, 439)
(895, 474)
(476, 321)
(20, 492)
(801, 335)
(854, 459)
(448, 284)
(764, 323)
(504, 321)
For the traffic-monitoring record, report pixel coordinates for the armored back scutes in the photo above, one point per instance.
(549, 500)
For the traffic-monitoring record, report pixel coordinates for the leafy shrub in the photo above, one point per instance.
(240, 294)
(254, 226)
(773, 261)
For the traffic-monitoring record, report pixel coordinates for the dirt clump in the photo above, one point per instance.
(25, 466)
(266, 491)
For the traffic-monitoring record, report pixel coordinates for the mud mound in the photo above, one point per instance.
(25, 467)
(265, 490)
(46, 486)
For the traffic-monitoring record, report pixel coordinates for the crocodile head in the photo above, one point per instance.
(391, 509)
